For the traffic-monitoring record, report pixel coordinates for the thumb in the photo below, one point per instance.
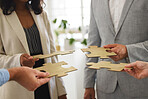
(43, 80)
(30, 57)
(131, 65)
(110, 46)
(42, 74)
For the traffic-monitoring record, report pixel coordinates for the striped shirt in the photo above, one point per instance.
(35, 47)
(33, 40)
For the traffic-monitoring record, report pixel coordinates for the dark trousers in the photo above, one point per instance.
(43, 91)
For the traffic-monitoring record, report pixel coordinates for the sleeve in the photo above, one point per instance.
(138, 51)
(59, 82)
(93, 40)
(8, 61)
(4, 76)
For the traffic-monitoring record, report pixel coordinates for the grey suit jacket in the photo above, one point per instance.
(132, 32)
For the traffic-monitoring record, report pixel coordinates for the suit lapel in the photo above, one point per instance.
(126, 8)
(42, 30)
(108, 15)
(18, 29)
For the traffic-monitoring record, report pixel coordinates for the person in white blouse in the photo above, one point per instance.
(122, 26)
(24, 32)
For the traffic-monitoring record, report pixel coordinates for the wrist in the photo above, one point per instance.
(13, 73)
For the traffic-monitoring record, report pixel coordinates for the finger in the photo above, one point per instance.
(131, 72)
(126, 70)
(110, 46)
(30, 57)
(87, 97)
(141, 76)
(26, 56)
(93, 95)
(25, 60)
(42, 74)
(115, 58)
(43, 80)
(115, 50)
(131, 65)
(35, 59)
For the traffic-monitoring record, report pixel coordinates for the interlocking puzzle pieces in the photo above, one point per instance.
(56, 69)
(98, 52)
(108, 65)
(53, 54)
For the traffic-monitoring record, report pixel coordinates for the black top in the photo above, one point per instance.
(35, 48)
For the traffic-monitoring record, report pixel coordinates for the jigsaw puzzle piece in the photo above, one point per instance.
(56, 69)
(54, 54)
(108, 65)
(64, 52)
(42, 56)
(57, 64)
(95, 51)
(93, 66)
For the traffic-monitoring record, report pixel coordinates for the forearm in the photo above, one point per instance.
(10, 61)
(138, 51)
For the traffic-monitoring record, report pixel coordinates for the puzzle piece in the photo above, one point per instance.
(56, 69)
(108, 65)
(98, 52)
(53, 54)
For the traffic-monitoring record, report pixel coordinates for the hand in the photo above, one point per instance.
(62, 97)
(89, 93)
(119, 49)
(139, 71)
(27, 60)
(29, 78)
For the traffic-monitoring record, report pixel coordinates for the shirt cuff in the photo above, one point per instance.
(4, 76)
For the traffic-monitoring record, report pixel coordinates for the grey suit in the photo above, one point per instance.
(132, 32)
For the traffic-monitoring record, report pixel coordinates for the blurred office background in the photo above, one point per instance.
(69, 21)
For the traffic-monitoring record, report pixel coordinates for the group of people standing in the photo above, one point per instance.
(121, 25)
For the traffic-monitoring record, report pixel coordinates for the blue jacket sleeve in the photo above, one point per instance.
(4, 76)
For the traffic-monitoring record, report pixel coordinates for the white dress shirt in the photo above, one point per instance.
(116, 7)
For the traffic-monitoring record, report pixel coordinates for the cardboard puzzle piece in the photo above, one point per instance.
(98, 52)
(56, 69)
(108, 65)
(53, 54)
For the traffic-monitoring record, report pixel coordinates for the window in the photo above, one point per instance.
(76, 12)
(70, 10)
